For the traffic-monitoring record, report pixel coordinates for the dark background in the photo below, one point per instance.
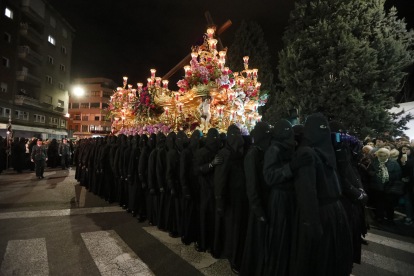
(116, 38)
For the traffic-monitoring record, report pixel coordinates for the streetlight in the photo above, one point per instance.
(78, 91)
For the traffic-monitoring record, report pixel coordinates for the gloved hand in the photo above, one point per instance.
(313, 231)
(218, 160)
(152, 192)
(298, 162)
(364, 198)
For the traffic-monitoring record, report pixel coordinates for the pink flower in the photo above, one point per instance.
(209, 59)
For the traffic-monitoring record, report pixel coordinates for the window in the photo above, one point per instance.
(61, 85)
(52, 22)
(104, 105)
(75, 105)
(92, 128)
(61, 103)
(95, 93)
(76, 127)
(48, 99)
(64, 33)
(62, 122)
(77, 117)
(21, 115)
(107, 94)
(97, 118)
(107, 128)
(8, 13)
(5, 62)
(70, 127)
(95, 105)
(84, 128)
(53, 120)
(63, 49)
(4, 87)
(84, 105)
(50, 59)
(85, 118)
(7, 37)
(62, 67)
(5, 112)
(49, 79)
(39, 118)
(51, 40)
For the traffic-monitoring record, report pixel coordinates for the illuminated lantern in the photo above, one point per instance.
(149, 82)
(249, 73)
(246, 60)
(139, 86)
(176, 96)
(125, 81)
(166, 111)
(194, 55)
(180, 107)
(258, 86)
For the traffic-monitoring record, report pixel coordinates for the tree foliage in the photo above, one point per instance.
(345, 59)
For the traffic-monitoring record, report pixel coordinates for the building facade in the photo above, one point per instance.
(36, 49)
(86, 119)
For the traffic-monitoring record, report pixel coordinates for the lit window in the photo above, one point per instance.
(4, 87)
(8, 13)
(62, 68)
(52, 22)
(51, 40)
(50, 59)
(7, 37)
(5, 62)
(95, 93)
(49, 79)
(64, 33)
(63, 49)
(61, 103)
(61, 85)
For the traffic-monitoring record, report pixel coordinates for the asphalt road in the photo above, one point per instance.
(55, 227)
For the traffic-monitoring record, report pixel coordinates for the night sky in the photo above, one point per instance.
(116, 38)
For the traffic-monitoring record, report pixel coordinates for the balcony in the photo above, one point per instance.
(37, 15)
(23, 76)
(31, 34)
(26, 100)
(30, 56)
(100, 132)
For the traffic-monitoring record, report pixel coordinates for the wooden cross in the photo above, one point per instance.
(187, 59)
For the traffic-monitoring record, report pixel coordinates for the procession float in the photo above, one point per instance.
(210, 95)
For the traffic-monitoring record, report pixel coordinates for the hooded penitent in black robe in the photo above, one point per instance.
(77, 155)
(85, 158)
(3, 154)
(17, 153)
(126, 158)
(140, 207)
(132, 176)
(122, 197)
(205, 172)
(52, 152)
(258, 194)
(152, 190)
(97, 181)
(321, 243)
(173, 181)
(91, 163)
(190, 191)
(232, 204)
(282, 199)
(351, 192)
(105, 171)
(114, 165)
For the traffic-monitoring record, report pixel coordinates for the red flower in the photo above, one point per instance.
(254, 94)
(147, 100)
(205, 81)
(188, 86)
(195, 82)
(209, 59)
(198, 75)
(225, 72)
(231, 81)
(211, 71)
(225, 86)
(152, 106)
(182, 89)
(186, 81)
(230, 71)
(208, 66)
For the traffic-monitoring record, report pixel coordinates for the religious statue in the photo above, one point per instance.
(204, 109)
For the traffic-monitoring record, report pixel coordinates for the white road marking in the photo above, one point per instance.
(26, 257)
(112, 255)
(386, 263)
(405, 246)
(59, 213)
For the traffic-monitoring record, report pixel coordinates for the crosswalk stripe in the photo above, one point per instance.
(26, 257)
(405, 246)
(386, 263)
(112, 255)
(59, 213)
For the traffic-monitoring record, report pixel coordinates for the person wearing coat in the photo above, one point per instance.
(157, 143)
(132, 176)
(39, 157)
(321, 243)
(232, 205)
(145, 203)
(258, 193)
(64, 153)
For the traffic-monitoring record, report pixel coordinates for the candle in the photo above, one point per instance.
(194, 55)
(116, 121)
(258, 86)
(250, 118)
(134, 93)
(187, 69)
(235, 74)
(176, 96)
(158, 80)
(233, 113)
(165, 83)
(220, 63)
(125, 80)
(139, 86)
(166, 111)
(259, 119)
(210, 33)
(222, 55)
(153, 73)
(180, 107)
(230, 96)
(118, 89)
(213, 43)
(255, 107)
(246, 60)
(249, 73)
(129, 86)
(149, 82)
(220, 111)
(241, 82)
(123, 120)
(255, 73)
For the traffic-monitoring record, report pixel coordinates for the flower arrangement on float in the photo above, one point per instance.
(209, 95)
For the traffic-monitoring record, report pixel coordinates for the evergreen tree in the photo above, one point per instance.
(345, 59)
(249, 41)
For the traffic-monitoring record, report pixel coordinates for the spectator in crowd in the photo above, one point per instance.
(406, 161)
(32, 143)
(39, 157)
(379, 143)
(394, 154)
(64, 153)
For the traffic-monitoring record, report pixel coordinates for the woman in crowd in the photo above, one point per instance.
(406, 161)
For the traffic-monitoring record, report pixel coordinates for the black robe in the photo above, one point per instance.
(122, 197)
(52, 152)
(105, 170)
(113, 162)
(153, 198)
(145, 202)
(132, 175)
(231, 200)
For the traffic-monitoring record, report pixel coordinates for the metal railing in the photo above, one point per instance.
(30, 52)
(26, 27)
(27, 75)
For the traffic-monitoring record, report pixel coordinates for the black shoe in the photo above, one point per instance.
(364, 241)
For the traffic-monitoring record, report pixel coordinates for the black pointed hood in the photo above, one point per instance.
(152, 141)
(195, 140)
(213, 141)
(160, 140)
(119, 140)
(170, 142)
(235, 140)
(181, 141)
(143, 141)
(262, 136)
(317, 135)
(298, 132)
(284, 136)
(129, 141)
(134, 142)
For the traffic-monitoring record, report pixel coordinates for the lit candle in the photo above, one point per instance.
(213, 44)
(165, 83)
(222, 55)
(166, 111)
(210, 33)
(125, 81)
(220, 111)
(255, 107)
(235, 74)
(158, 80)
(233, 113)
(119, 89)
(129, 87)
(194, 55)
(258, 86)
(246, 60)
(241, 82)
(259, 119)
(123, 120)
(187, 69)
(153, 73)
(176, 96)
(220, 63)
(134, 92)
(249, 73)
(255, 73)
(180, 107)
(139, 86)
(149, 82)
(230, 95)
(250, 118)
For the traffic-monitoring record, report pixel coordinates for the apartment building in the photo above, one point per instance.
(86, 119)
(36, 49)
